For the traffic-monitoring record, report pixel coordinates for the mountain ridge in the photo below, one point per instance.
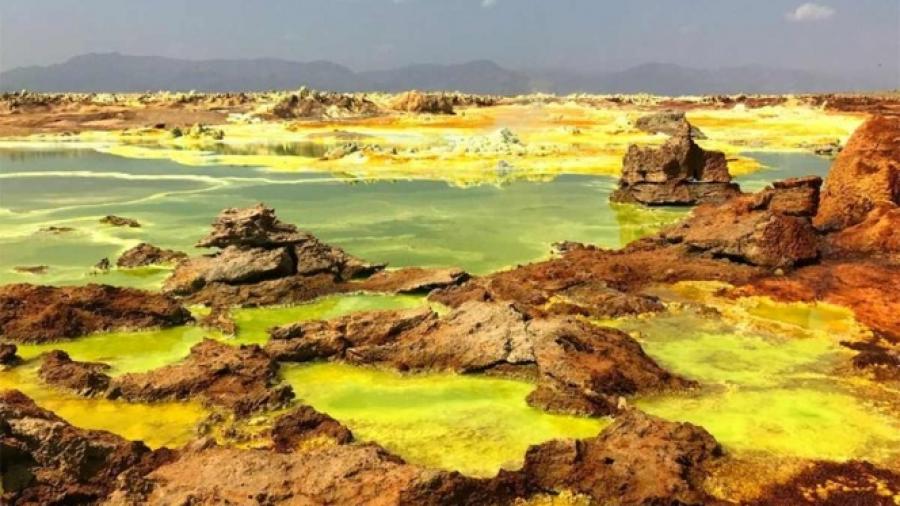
(115, 72)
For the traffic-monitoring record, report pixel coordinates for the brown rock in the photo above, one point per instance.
(255, 227)
(44, 460)
(36, 314)
(639, 459)
(877, 234)
(678, 173)
(242, 379)
(753, 228)
(643, 263)
(585, 369)
(418, 102)
(667, 122)
(8, 354)
(147, 254)
(234, 266)
(286, 290)
(835, 484)
(304, 423)
(219, 318)
(341, 474)
(865, 173)
(596, 300)
(580, 368)
(413, 279)
(119, 221)
(84, 378)
(794, 197)
(189, 275)
(300, 342)
(314, 257)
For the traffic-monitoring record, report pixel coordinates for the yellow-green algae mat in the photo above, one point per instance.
(771, 374)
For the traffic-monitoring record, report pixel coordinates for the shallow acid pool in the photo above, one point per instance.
(472, 424)
(774, 381)
(479, 228)
(169, 423)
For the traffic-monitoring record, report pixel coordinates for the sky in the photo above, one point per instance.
(826, 35)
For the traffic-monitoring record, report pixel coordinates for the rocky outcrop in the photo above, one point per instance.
(145, 254)
(36, 314)
(678, 173)
(866, 173)
(83, 378)
(242, 379)
(418, 102)
(667, 122)
(119, 221)
(579, 368)
(343, 474)
(262, 261)
(304, 423)
(412, 280)
(44, 460)
(639, 459)
(878, 234)
(311, 104)
(834, 484)
(771, 228)
(539, 288)
(8, 354)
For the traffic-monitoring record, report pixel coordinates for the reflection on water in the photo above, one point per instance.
(423, 223)
(306, 149)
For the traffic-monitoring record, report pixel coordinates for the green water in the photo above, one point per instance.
(164, 423)
(422, 223)
(475, 425)
(779, 389)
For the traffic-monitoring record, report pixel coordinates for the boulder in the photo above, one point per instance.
(240, 378)
(314, 257)
(263, 261)
(8, 354)
(36, 314)
(45, 460)
(677, 173)
(304, 423)
(256, 227)
(145, 254)
(667, 122)
(638, 460)
(771, 228)
(235, 265)
(866, 173)
(119, 221)
(83, 378)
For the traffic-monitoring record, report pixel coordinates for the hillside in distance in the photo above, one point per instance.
(126, 73)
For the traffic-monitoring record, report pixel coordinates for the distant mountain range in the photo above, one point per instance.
(117, 72)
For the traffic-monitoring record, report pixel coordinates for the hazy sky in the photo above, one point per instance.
(834, 35)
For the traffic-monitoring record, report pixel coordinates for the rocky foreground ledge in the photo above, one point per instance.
(638, 460)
